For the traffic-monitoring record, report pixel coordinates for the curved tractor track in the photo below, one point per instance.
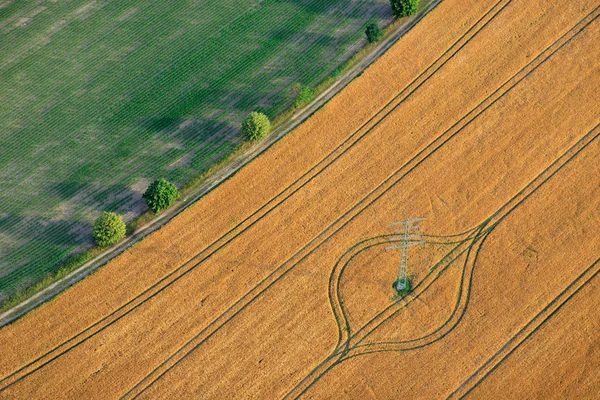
(349, 344)
(407, 168)
(244, 225)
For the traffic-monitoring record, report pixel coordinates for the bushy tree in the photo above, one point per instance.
(256, 126)
(305, 95)
(404, 8)
(160, 195)
(109, 228)
(373, 32)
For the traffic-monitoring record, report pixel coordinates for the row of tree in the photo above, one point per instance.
(110, 228)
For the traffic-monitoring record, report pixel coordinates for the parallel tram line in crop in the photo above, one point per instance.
(343, 220)
(344, 349)
(349, 346)
(527, 331)
(353, 343)
(218, 244)
(491, 223)
(334, 287)
(336, 302)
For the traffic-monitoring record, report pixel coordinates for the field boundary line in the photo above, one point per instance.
(215, 180)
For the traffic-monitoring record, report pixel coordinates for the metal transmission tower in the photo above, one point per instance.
(409, 234)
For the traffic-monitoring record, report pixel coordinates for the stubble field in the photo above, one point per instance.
(484, 120)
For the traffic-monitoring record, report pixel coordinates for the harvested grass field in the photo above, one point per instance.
(491, 132)
(99, 98)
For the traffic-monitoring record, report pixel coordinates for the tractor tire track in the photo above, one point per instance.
(493, 221)
(249, 221)
(344, 350)
(348, 216)
(335, 297)
(527, 331)
(352, 348)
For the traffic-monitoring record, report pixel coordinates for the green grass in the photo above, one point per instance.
(96, 97)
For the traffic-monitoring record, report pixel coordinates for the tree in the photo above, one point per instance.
(404, 8)
(305, 95)
(109, 228)
(255, 126)
(160, 195)
(373, 32)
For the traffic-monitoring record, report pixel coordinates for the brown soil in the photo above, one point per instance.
(256, 318)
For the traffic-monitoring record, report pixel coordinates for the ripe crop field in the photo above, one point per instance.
(483, 119)
(98, 98)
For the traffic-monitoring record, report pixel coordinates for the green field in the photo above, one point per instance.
(98, 98)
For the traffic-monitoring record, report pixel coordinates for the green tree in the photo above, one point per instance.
(404, 8)
(160, 195)
(109, 228)
(305, 95)
(256, 126)
(374, 34)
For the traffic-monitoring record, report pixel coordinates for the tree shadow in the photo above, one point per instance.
(36, 245)
(359, 9)
(315, 7)
(199, 128)
(159, 123)
(83, 196)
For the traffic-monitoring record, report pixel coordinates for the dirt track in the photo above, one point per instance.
(491, 130)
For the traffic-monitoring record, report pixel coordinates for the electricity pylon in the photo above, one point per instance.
(408, 235)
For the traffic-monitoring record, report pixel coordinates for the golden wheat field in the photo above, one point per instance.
(484, 120)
